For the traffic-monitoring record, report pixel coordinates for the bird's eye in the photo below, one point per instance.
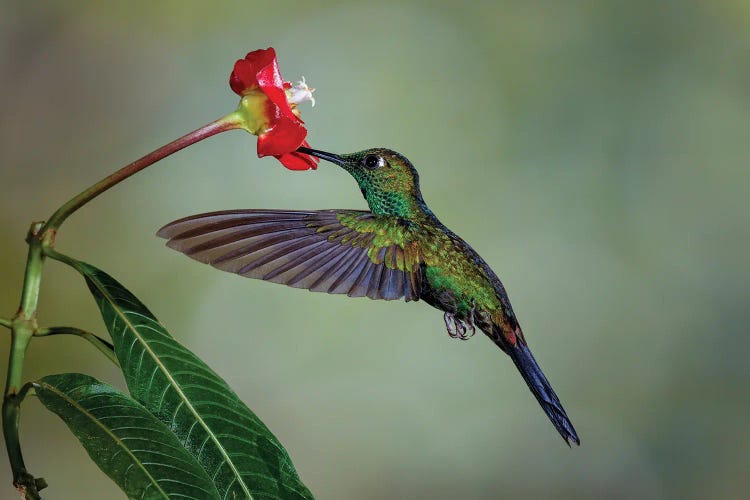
(373, 161)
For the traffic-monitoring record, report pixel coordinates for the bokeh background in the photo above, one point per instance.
(595, 153)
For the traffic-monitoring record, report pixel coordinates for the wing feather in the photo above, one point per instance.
(324, 251)
(362, 280)
(326, 281)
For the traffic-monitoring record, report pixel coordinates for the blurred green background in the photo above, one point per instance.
(594, 153)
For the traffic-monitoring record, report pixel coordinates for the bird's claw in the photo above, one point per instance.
(457, 329)
(471, 322)
(450, 324)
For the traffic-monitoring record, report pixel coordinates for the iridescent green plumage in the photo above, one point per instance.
(399, 249)
(450, 265)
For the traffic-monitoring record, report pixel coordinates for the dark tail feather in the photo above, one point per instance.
(537, 382)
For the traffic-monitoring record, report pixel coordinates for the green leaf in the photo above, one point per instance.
(240, 454)
(127, 442)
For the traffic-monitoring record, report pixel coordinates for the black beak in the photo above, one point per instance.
(322, 155)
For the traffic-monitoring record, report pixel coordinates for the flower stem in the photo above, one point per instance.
(228, 122)
(6, 323)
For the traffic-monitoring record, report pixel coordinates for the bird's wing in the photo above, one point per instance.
(335, 251)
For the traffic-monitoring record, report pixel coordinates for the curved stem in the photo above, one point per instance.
(102, 345)
(11, 410)
(229, 122)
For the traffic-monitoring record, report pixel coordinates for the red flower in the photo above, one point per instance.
(269, 108)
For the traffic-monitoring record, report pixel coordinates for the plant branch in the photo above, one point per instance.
(6, 323)
(23, 327)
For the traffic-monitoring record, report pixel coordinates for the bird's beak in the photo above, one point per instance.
(322, 155)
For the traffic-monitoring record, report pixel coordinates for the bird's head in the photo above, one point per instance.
(387, 179)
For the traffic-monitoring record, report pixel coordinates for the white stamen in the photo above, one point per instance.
(300, 92)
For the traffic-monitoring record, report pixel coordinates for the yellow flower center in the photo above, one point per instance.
(253, 111)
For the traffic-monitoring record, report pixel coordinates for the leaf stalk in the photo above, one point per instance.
(102, 345)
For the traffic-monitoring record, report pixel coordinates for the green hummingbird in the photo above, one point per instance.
(398, 249)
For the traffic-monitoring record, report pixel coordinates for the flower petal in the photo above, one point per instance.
(280, 131)
(244, 77)
(284, 136)
(298, 161)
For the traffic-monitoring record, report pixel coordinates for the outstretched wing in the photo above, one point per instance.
(335, 251)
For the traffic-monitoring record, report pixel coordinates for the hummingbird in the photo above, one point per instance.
(396, 250)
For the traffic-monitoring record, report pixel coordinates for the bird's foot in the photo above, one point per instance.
(450, 324)
(457, 329)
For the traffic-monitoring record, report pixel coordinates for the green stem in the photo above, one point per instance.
(102, 345)
(23, 327)
(32, 278)
(6, 323)
(228, 122)
(11, 409)
(61, 257)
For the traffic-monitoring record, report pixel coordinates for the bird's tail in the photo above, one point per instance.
(537, 382)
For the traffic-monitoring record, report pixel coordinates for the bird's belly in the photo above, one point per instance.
(446, 293)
